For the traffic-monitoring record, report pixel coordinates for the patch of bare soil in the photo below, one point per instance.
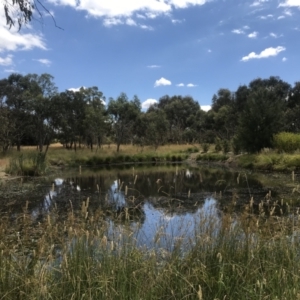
(3, 163)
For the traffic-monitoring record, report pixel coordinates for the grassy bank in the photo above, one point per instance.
(76, 257)
(28, 162)
(271, 161)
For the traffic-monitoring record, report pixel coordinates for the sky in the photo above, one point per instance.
(152, 48)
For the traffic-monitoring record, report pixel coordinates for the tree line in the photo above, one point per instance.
(33, 112)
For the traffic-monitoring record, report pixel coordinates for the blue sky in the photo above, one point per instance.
(151, 48)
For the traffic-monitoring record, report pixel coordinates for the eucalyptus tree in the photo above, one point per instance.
(292, 114)
(123, 114)
(294, 96)
(157, 128)
(181, 114)
(20, 12)
(16, 91)
(68, 120)
(95, 121)
(39, 105)
(222, 98)
(7, 125)
(260, 120)
(273, 83)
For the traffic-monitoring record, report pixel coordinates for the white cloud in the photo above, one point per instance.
(162, 81)
(130, 22)
(266, 17)
(253, 35)
(76, 89)
(205, 107)
(14, 40)
(191, 85)
(146, 27)
(6, 61)
(258, 2)
(152, 15)
(288, 12)
(114, 11)
(146, 104)
(284, 59)
(275, 36)
(44, 61)
(264, 54)
(180, 84)
(112, 22)
(176, 21)
(140, 16)
(153, 66)
(238, 31)
(281, 17)
(11, 71)
(290, 3)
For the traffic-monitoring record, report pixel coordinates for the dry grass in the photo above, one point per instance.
(78, 258)
(82, 255)
(3, 164)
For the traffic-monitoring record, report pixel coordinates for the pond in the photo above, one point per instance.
(155, 203)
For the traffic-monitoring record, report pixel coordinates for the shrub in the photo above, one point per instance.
(108, 160)
(31, 164)
(205, 147)
(236, 146)
(218, 146)
(225, 146)
(128, 158)
(286, 142)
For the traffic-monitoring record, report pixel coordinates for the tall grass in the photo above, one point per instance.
(242, 256)
(287, 142)
(24, 164)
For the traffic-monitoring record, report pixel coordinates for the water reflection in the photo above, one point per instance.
(163, 229)
(157, 203)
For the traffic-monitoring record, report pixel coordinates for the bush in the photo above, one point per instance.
(236, 146)
(205, 147)
(286, 142)
(218, 146)
(31, 164)
(108, 160)
(225, 146)
(212, 157)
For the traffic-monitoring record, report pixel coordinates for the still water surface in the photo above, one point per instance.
(156, 203)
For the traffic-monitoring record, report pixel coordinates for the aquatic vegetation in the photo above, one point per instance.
(27, 164)
(241, 252)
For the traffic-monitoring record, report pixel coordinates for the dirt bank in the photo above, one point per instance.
(3, 163)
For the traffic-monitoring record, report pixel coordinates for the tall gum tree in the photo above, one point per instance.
(123, 114)
(40, 106)
(260, 120)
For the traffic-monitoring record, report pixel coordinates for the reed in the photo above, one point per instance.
(245, 255)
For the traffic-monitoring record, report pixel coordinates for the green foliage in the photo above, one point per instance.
(192, 150)
(205, 147)
(235, 145)
(123, 114)
(212, 157)
(32, 111)
(225, 146)
(30, 164)
(260, 120)
(287, 142)
(218, 146)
